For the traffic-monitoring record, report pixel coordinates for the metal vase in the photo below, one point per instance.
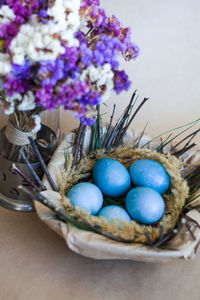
(11, 196)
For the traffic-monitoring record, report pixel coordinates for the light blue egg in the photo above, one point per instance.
(115, 212)
(87, 196)
(150, 173)
(145, 205)
(111, 177)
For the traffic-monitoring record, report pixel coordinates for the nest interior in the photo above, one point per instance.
(128, 232)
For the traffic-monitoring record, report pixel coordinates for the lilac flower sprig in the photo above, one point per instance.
(61, 53)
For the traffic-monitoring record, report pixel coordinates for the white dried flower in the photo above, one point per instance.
(35, 43)
(102, 78)
(65, 15)
(35, 123)
(9, 105)
(9, 109)
(5, 66)
(28, 102)
(69, 37)
(6, 14)
(15, 97)
(63, 10)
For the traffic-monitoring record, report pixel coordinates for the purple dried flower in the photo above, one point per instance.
(87, 121)
(72, 91)
(114, 26)
(2, 2)
(13, 85)
(51, 71)
(44, 97)
(86, 117)
(70, 57)
(86, 55)
(121, 81)
(43, 13)
(8, 32)
(22, 71)
(107, 51)
(86, 3)
(92, 98)
(23, 8)
(136, 50)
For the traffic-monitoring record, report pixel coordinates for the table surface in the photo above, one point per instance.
(35, 263)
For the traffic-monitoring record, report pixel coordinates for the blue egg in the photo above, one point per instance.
(87, 196)
(111, 177)
(145, 205)
(150, 173)
(114, 212)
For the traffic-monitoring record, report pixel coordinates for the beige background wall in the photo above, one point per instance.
(168, 68)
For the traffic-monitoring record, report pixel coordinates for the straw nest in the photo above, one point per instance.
(129, 232)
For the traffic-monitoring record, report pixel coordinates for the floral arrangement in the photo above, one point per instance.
(59, 53)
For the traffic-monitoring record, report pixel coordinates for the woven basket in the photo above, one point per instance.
(100, 247)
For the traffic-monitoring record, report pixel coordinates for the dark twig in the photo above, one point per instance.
(193, 175)
(77, 144)
(165, 238)
(191, 136)
(163, 143)
(194, 221)
(193, 180)
(114, 132)
(115, 143)
(89, 31)
(190, 231)
(64, 216)
(149, 241)
(29, 181)
(137, 110)
(109, 127)
(120, 140)
(161, 234)
(98, 136)
(117, 126)
(76, 137)
(44, 167)
(32, 170)
(82, 140)
(92, 139)
(194, 186)
(184, 150)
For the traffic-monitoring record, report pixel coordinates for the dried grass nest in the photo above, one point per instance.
(128, 232)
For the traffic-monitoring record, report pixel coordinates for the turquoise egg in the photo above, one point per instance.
(150, 173)
(115, 212)
(87, 196)
(111, 177)
(145, 205)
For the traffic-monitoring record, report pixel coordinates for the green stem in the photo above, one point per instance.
(174, 129)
